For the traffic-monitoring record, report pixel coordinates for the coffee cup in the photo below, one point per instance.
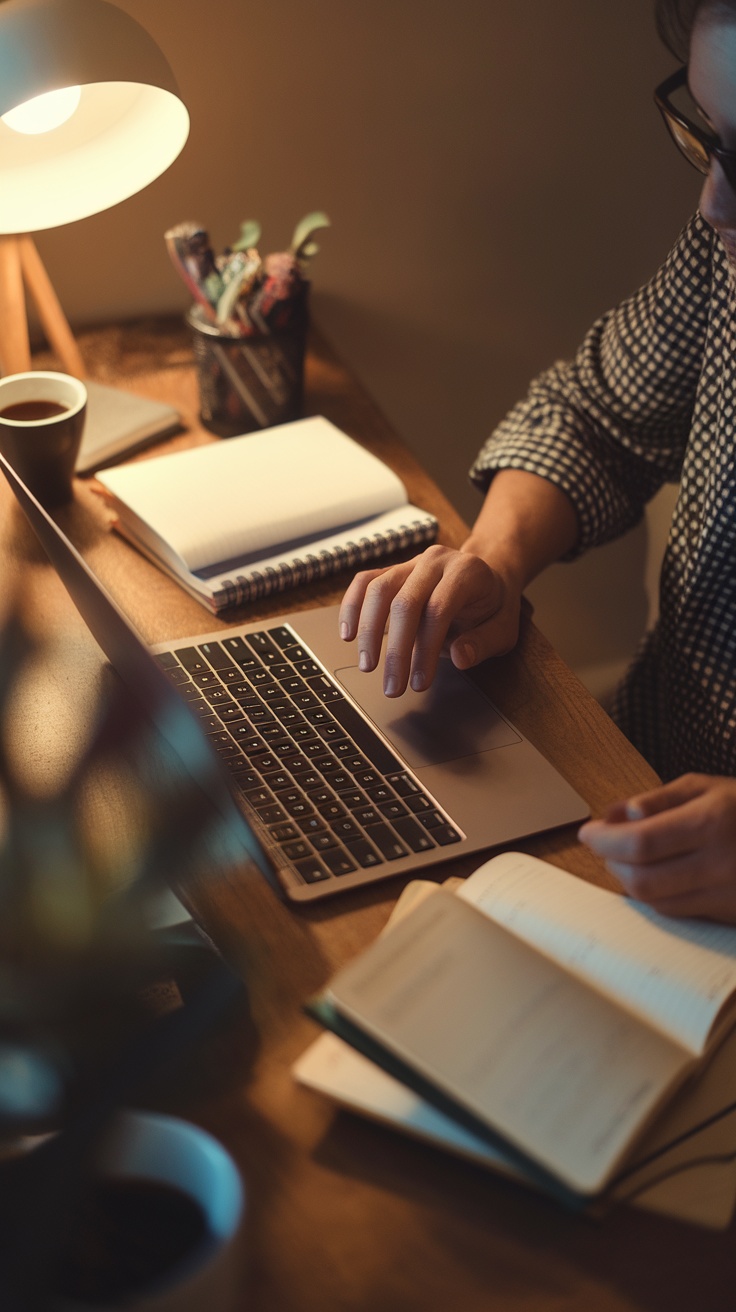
(160, 1231)
(41, 424)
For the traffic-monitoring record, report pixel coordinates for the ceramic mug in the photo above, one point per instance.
(41, 424)
(161, 1160)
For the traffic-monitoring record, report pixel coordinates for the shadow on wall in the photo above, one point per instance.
(596, 609)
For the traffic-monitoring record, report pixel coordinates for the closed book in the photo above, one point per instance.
(237, 520)
(118, 423)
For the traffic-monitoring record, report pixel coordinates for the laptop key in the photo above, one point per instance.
(192, 660)
(189, 692)
(264, 648)
(229, 713)
(363, 852)
(296, 653)
(231, 674)
(318, 795)
(306, 667)
(431, 819)
(271, 815)
(312, 747)
(207, 679)
(353, 798)
(312, 870)
(404, 786)
(260, 797)
(365, 738)
(247, 779)
(323, 840)
(386, 841)
(413, 834)
(284, 832)
(381, 793)
(392, 810)
(178, 676)
(244, 736)
(332, 811)
(367, 815)
(208, 721)
(296, 850)
(263, 761)
(338, 861)
(313, 825)
(277, 779)
(417, 803)
(217, 697)
(215, 654)
(446, 835)
(282, 636)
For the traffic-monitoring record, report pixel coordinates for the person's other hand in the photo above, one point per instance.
(442, 596)
(674, 847)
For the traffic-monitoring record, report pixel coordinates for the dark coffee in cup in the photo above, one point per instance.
(128, 1235)
(41, 424)
(25, 412)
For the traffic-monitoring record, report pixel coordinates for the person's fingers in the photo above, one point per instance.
(663, 798)
(659, 837)
(679, 877)
(493, 637)
(714, 903)
(352, 603)
(420, 614)
(418, 605)
(466, 589)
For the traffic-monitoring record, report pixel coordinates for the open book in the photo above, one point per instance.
(550, 1018)
(241, 519)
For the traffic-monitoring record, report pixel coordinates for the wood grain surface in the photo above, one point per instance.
(343, 1214)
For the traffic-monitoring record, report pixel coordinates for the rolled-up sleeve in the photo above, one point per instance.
(611, 426)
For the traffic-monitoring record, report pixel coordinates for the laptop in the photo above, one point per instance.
(335, 785)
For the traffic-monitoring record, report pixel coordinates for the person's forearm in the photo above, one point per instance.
(525, 523)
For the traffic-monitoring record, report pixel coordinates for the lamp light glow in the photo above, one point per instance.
(128, 126)
(118, 123)
(44, 113)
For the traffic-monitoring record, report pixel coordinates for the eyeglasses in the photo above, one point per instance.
(698, 146)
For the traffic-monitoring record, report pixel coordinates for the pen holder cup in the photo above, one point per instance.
(247, 383)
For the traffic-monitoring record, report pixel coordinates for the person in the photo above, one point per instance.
(648, 399)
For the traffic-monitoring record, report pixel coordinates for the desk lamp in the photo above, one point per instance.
(89, 114)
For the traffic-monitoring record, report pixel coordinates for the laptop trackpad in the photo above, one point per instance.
(452, 719)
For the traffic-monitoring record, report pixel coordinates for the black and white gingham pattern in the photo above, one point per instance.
(650, 399)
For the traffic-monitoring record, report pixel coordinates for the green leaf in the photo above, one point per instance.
(301, 245)
(250, 235)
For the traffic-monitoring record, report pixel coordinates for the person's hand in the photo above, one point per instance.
(674, 847)
(441, 596)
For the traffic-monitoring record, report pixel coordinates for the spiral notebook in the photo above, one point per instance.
(242, 519)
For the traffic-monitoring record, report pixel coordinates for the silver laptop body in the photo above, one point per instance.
(395, 786)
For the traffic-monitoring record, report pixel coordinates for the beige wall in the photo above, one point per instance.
(496, 175)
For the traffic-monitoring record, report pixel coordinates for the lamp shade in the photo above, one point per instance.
(128, 127)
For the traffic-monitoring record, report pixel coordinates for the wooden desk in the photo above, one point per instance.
(343, 1214)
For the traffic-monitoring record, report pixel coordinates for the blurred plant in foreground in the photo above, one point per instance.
(83, 865)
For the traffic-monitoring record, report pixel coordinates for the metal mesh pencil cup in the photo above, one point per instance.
(247, 383)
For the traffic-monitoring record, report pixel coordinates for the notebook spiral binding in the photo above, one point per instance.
(310, 568)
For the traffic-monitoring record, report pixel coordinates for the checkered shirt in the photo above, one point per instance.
(649, 399)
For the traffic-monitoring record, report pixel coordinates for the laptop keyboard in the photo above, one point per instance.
(331, 793)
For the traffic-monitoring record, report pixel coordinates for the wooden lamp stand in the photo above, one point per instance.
(22, 271)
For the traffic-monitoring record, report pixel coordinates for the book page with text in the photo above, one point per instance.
(556, 1068)
(676, 973)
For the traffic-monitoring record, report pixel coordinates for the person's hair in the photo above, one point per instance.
(675, 20)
